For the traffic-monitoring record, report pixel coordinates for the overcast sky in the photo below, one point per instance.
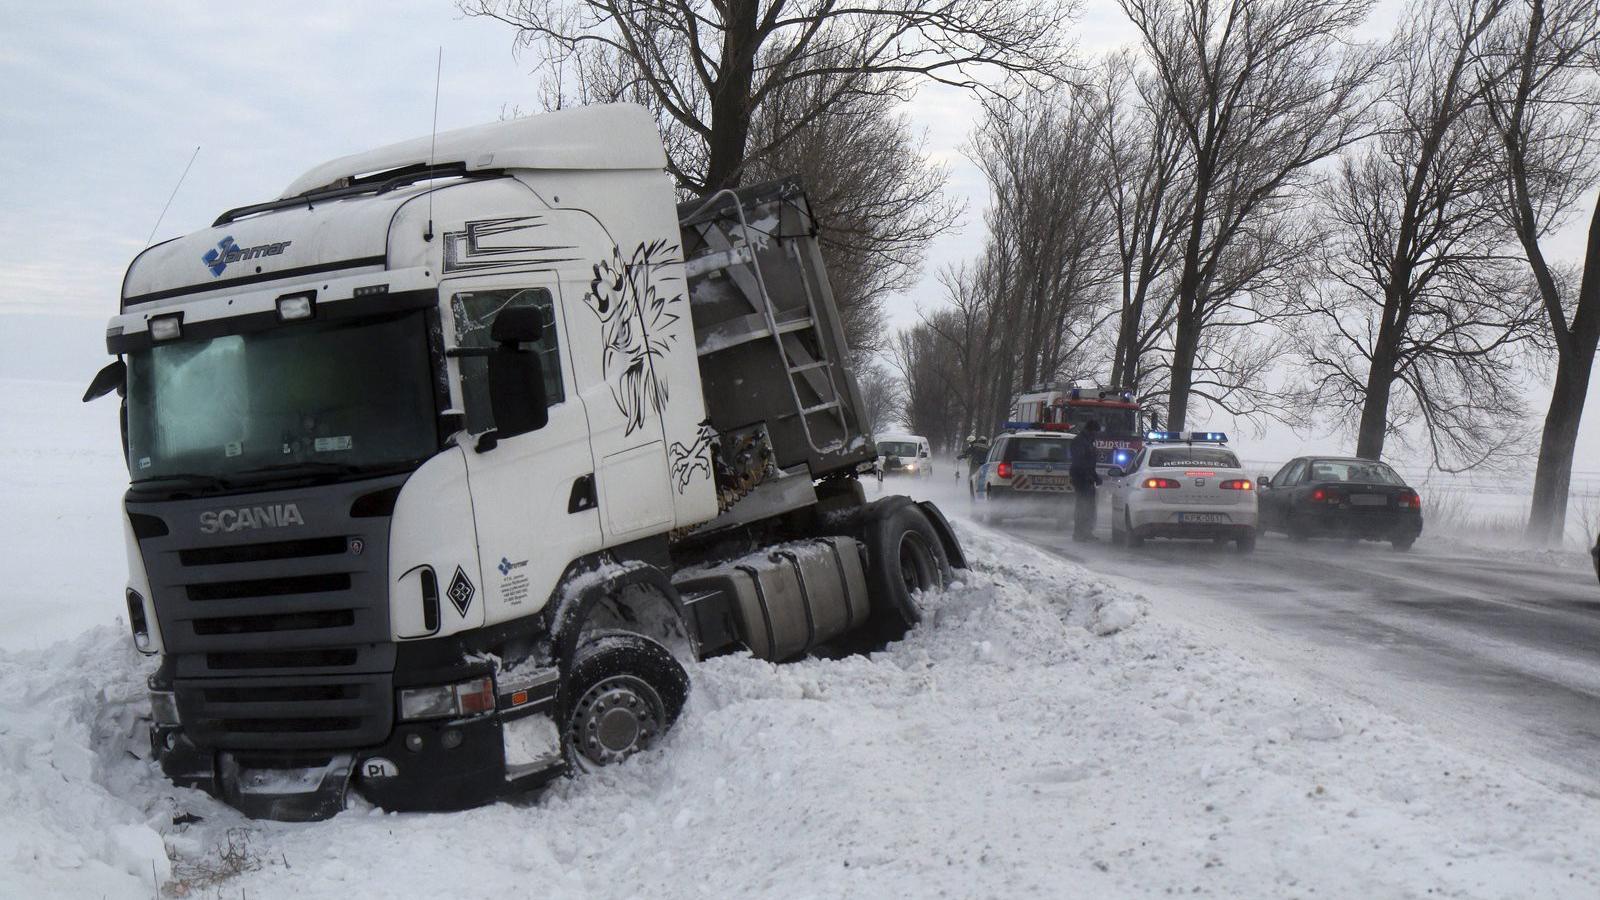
(102, 104)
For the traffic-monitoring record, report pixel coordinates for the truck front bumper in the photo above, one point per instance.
(429, 766)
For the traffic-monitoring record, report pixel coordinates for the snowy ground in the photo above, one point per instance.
(1044, 733)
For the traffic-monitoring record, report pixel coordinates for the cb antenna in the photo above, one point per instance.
(175, 193)
(433, 141)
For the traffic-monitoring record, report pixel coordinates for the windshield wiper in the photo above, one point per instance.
(193, 479)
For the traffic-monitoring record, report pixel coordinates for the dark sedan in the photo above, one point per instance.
(1358, 499)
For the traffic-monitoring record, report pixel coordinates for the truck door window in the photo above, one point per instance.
(474, 312)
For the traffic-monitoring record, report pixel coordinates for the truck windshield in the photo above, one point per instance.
(316, 398)
(1112, 419)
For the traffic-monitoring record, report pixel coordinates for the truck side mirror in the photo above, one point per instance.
(114, 377)
(516, 380)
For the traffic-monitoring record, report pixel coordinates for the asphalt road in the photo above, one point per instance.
(1499, 653)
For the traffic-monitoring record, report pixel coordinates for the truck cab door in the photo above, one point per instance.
(533, 494)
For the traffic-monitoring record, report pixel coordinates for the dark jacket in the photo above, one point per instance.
(1082, 468)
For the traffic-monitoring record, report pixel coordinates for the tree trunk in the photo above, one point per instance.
(1185, 347)
(1552, 480)
(730, 100)
(1375, 407)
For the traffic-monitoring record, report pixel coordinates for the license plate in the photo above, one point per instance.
(1369, 500)
(1203, 518)
(1025, 481)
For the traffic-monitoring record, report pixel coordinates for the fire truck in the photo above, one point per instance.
(1068, 408)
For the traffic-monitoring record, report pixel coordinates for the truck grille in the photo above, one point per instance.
(279, 639)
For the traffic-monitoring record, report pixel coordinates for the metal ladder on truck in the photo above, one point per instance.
(816, 370)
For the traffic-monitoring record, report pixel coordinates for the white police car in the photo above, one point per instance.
(1187, 485)
(1025, 475)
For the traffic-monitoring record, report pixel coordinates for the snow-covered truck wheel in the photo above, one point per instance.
(626, 690)
(904, 556)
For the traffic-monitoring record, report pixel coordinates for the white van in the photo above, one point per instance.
(904, 454)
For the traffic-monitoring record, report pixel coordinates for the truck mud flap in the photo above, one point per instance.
(947, 535)
(280, 790)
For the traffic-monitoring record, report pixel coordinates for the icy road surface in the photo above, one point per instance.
(1497, 647)
(1046, 732)
(1500, 650)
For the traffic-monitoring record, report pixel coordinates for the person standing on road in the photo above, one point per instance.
(977, 451)
(1085, 478)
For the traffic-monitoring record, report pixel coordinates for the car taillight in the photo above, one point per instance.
(1411, 500)
(1238, 484)
(1158, 483)
(1003, 470)
(1322, 495)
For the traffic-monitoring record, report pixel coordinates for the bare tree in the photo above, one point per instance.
(931, 406)
(1262, 91)
(1050, 232)
(1539, 87)
(1144, 174)
(882, 393)
(707, 66)
(1426, 306)
(878, 197)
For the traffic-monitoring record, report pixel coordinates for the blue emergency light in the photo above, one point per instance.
(1203, 437)
(1121, 457)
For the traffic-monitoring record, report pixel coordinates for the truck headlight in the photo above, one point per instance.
(448, 701)
(164, 707)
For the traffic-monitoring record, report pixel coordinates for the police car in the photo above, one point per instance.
(1183, 485)
(1025, 475)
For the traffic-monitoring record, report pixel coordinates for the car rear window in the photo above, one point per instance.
(1357, 471)
(1185, 457)
(1051, 450)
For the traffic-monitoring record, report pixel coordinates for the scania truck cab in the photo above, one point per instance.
(447, 463)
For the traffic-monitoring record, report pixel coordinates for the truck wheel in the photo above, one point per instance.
(626, 690)
(904, 555)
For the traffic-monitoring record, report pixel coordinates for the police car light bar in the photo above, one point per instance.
(1191, 437)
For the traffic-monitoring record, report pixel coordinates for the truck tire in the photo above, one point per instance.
(904, 555)
(625, 690)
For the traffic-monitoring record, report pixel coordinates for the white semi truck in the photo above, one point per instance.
(446, 462)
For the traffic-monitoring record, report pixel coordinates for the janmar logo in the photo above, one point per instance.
(228, 252)
(278, 515)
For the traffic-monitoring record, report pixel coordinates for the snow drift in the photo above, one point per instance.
(1038, 735)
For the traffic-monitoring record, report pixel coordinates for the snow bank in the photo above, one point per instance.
(1040, 734)
(76, 819)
